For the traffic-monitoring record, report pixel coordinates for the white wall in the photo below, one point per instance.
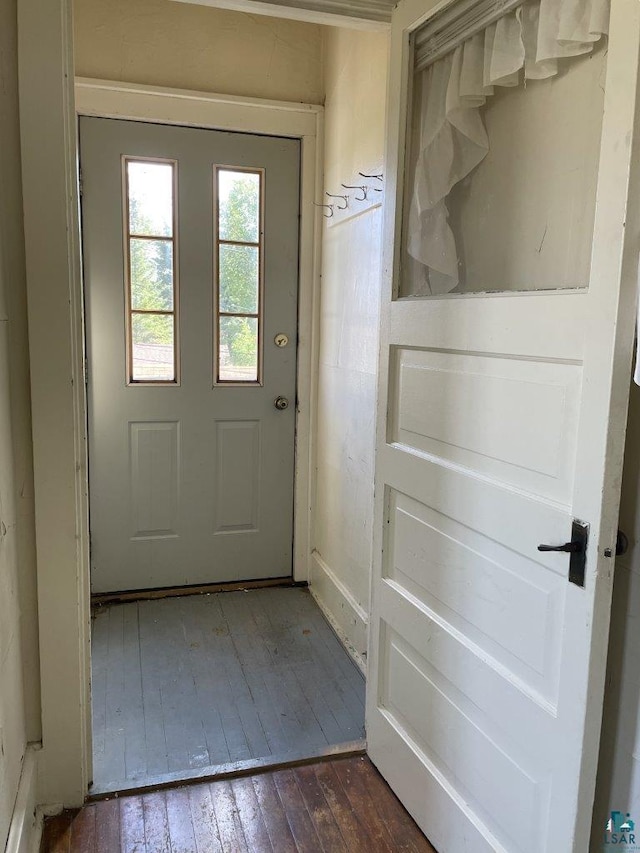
(162, 43)
(618, 786)
(19, 677)
(355, 85)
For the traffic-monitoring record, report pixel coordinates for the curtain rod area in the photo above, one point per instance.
(454, 25)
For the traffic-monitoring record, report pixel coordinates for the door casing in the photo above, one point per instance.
(106, 99)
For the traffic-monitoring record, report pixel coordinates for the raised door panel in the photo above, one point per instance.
(237, 476)
(464, 745)
(511, 419)
(508, 607)
(154, 452)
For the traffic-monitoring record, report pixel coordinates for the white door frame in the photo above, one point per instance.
(54, 287)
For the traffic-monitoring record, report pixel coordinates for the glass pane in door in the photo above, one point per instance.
(522, 218)
(238, 242)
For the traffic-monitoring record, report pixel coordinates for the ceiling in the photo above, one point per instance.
(358, 14)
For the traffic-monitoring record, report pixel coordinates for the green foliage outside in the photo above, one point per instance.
(239, 271)
(152, 277)
(151, 284)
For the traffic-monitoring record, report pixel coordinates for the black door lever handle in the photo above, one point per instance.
(570, 547)
(578, 550)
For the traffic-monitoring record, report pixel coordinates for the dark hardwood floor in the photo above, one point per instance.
(340, 806)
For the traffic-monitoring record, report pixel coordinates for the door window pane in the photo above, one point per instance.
(151, 274)
(238, 295)
(512, 210)
(239, 279)
(239, 206)
(150, 198)
(238, 349)
(152, 344)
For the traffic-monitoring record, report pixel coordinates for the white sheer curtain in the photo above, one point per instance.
(452, 137)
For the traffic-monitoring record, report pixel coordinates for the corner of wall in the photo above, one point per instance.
(354, 72)
(348, 619)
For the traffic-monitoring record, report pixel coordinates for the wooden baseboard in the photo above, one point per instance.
(26, 822)
(124, 787)
(201, 589)
(348, 619)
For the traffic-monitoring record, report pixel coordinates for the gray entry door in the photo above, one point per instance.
(191, 278)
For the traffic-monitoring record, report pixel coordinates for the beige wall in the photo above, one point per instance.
(355, 84)
(19, 676)
(164, 43)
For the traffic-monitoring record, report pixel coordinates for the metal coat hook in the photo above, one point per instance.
(329, 208)
(363, 189)
(379, 177)
(344, 197)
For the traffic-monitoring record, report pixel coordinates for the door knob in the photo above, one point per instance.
(281, 403)
(622, 544)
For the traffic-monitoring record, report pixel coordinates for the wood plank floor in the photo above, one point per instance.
(331, 807)
(185, 683)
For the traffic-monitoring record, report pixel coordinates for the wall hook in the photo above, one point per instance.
(363, 189)
(344, 197)
(379, 177)
(329, 207)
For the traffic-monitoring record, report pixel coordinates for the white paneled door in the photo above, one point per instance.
(191, 278)
(500, 425)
